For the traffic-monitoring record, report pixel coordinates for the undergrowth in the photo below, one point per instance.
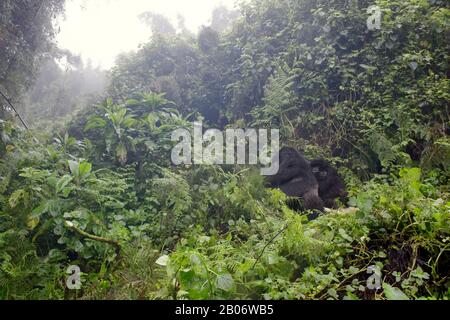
(210, 232)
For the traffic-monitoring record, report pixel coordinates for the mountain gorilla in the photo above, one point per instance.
(331, 186)
(296, 179)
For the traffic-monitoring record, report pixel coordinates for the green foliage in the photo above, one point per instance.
(360, 87)
(216, 233)
(375, 103)
(128, 132)
(398, 230)
(378, 98)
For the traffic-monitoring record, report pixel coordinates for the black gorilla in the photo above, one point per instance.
(331, 186)
(296, 179)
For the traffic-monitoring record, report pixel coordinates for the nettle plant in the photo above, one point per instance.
(397, 234)
(49, 199)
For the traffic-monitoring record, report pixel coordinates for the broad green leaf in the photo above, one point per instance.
(132, 102)
(411, 175)
(66, 191)
(32, 222)
(95, 123)
(351, 296)
(332, 293)
(129, 122)
(413, 65)
(186, 276)
(195, 259)
(344, 235)
(38, 211)
(393, 293)
(163, 261)
(120, 115)
(63, 182)
(225, 282)
(84, 169)
(15, 198)
(74, 165)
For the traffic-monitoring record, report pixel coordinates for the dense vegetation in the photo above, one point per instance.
(100, 192)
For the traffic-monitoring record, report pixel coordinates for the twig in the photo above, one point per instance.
(268, 243)
(114, 243)
(14, 109)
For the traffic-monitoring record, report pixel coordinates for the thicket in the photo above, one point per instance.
(101, 193)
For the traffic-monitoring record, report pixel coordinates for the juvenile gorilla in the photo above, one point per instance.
(296, 179)
(331, 186)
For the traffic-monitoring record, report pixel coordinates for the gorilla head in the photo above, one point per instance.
(295, 179)
(331, 186)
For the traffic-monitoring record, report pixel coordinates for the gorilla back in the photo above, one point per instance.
(296, 179)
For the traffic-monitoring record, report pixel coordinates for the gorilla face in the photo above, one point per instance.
(296, 179)
(320, 173)
(331, 186)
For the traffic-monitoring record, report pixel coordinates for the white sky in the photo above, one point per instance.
(101, 29)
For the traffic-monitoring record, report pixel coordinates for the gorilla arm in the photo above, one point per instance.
(300, 188)
(295, 179)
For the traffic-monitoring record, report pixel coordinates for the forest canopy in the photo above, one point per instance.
(86, 177)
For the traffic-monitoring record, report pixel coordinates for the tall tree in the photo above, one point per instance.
(158, 23)
(223, 18)
(26, 39)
